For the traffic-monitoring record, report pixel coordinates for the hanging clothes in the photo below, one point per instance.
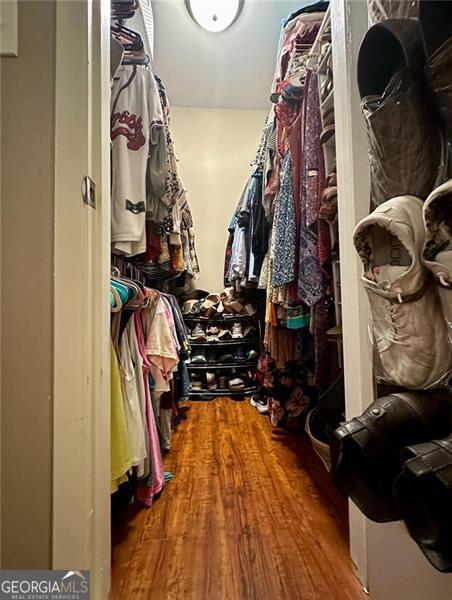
(295, 262)
(284, 226)
(121, 456)
(149, 345)
(136, 124)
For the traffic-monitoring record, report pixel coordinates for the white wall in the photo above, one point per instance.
(27, 86)
(230, 69)
(215, 148)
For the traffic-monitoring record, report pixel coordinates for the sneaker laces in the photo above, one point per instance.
(443, 280)
(391, 329)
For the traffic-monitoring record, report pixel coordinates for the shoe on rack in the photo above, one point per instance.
(237, 331)
(423, 491)
(249, 331)
(213, 338)
(260, 402)
(409, 334)
(210, 377)
(212, 386)
(239, 355)
(209, 305)
(191, 307)
(236, 384)
(222, 382)
(212, 330)
(252, 355)
(251, 376)
(226, 358)
(235, 306)
(198, 358)
(249, 310)
(437, 252)
(211, 356)
(198, 334)
(224, 334)
(196, 385)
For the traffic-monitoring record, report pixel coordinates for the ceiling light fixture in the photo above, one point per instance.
(214, 15)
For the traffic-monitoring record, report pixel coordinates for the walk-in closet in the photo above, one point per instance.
(226, 299)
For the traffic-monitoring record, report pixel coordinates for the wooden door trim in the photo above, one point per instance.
(81, 460)
(348, 25)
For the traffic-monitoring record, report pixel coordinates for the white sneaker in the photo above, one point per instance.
(408, 330)
(237, 331)
(437, 253)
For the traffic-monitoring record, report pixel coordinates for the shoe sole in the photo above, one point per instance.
(260, 409)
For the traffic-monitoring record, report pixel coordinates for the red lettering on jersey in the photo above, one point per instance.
(131, 127)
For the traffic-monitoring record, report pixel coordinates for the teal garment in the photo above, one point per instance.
(123, 291)
(298, 322)
(298, 317)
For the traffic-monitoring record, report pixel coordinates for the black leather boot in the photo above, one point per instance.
(423, 491)
(365, 450)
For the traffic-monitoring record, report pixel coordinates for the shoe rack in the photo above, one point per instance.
(215, 349)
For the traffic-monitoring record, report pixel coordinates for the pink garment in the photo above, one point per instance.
(160, 347)
(170, 319)
(301, 30)
(146, 493)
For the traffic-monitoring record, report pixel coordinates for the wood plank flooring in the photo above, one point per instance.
(250, 515)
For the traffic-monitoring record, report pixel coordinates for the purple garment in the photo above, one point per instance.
(314, 237)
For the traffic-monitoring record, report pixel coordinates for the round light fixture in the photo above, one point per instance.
(214, 15)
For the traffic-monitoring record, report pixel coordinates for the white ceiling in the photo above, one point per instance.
(230, 69)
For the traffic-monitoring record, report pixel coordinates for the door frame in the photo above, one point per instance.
(349, 23)
(81, 459)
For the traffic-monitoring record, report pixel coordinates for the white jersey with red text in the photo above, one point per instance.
(135, 111)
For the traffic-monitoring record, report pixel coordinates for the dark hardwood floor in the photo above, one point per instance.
(250, 515)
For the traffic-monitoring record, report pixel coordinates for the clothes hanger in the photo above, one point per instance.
(123, 291)
(153, 294)
(124, 10)
(136, 302)
(132, 288)
(130, 39)
(117, 303)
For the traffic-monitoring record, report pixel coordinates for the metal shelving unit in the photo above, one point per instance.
(217, 347)
(239, 342)
(212, 394)
(218, 319)
(212, 366)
